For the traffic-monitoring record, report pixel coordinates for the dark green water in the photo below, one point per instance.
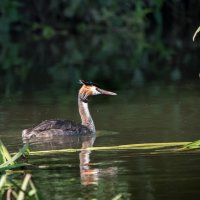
(141, 115)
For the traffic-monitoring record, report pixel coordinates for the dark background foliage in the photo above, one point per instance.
(117, 43)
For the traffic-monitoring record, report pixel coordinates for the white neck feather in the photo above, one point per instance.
(85, 115)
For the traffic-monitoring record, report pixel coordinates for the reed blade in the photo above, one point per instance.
(23, 187)
(5, 155)
(2, 180)
(145, 146)
(11, 160)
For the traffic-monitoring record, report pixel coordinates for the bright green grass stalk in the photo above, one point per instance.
(4, 154)
(8, 162)
(175, 146)
(145, 146)
(9, 184)
(192, 145)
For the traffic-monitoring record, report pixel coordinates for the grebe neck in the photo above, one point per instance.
(85, 115)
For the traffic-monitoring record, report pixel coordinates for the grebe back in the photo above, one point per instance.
(56, 127)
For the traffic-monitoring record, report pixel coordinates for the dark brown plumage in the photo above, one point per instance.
(59, 127)
(55, 127)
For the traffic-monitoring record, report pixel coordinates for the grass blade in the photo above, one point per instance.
(11, 167)
(3, 180)
(33, 190)
(144, 146)
(12, 160)
(4, 153)
(23, 187)
(191, 145)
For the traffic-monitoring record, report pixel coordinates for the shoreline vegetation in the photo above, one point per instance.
(15, 182)
(98, 41)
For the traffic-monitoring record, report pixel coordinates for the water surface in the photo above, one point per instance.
(141, 115)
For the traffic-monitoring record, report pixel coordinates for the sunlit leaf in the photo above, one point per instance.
(192, 145)
(196, 33)
(4, 154)
(118, 197)
(2, 180)
(11, 160)
(33, 192)
(24, 187)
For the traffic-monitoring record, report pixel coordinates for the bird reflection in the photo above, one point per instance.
(88, 175)
(61, 142)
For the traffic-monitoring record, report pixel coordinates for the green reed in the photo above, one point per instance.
(15, 183)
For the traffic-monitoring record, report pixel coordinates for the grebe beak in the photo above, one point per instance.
(101, 91)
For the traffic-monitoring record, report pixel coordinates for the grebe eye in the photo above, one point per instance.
(98, 90)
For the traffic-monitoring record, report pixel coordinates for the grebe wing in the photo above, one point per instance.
(54, 124)
(55, 127)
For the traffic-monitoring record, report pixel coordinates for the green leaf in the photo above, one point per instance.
(4, 153)
(33, 190)
(24, 187)
(118, 197)
(15, 166)
(192, 145)
(11, 160)
(48, 32)
(3, 180)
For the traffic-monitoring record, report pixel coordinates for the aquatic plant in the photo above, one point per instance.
(151, 147)
(15, 184)
(7, 162)
(192, 145)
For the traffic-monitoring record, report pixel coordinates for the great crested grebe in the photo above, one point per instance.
(57, 127)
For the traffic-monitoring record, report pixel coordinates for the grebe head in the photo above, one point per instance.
(90, 89)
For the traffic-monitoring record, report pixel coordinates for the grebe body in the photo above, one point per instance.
(58, 127)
